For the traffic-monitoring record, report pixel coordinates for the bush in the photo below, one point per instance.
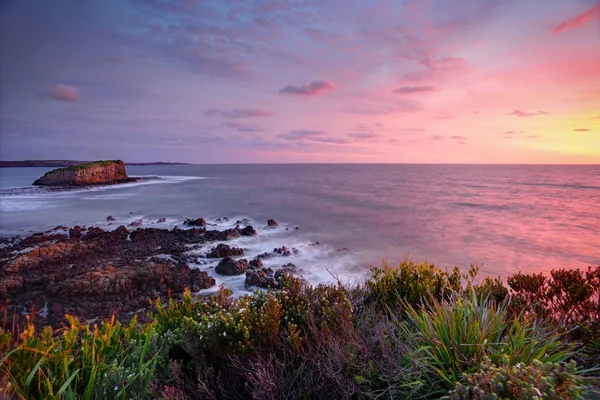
(543, 381)
(410, 284)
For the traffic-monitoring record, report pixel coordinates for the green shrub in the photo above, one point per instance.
(410, 283)
(542, 381)
(454, 335)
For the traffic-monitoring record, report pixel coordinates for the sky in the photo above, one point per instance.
(261, 81)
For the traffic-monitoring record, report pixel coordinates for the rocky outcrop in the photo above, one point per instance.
(223, 250)
(229, 266)
(95, 173)
(195, 222)
(266, 278)
(271, 223)
(93, 273)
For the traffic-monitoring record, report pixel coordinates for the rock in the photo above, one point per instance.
(284, 251)
(255, 264)
(262, 278)
(223, 250)
(195, 222)
(266, 278)
(228, 266)
(95, 173)
(136, 223)
(247, 231)
(75, 232)
(271, 223)
(111, 218)
(161, 220)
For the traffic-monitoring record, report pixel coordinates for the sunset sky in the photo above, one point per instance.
(206, 81)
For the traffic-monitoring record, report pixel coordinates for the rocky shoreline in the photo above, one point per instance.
(94, 273)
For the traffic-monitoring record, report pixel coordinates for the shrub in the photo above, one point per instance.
(410, 284)
(543, 381)
(568, 296)
(454, 335)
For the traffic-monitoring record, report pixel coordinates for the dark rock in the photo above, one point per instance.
(75, 232)
(271, 223)
(247, 231)
(262, 278)
(223, 250)
(136, 223)
(255, 264)
(195, 222)
(228, 266)
(161, 220)
(111, 218)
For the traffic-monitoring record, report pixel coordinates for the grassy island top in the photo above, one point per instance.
(85, 166)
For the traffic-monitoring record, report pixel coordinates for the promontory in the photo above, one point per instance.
(94, 173)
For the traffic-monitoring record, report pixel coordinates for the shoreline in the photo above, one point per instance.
(91, 273)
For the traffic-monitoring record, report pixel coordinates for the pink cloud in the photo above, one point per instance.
(580, 20)
(413, 89)
(310, 136)
(64, 92)
(520, 113)
(309, 89)
(582, 130)
(456, 137)
(362, 135)
(239, 113)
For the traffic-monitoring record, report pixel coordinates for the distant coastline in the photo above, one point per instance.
(67, 163)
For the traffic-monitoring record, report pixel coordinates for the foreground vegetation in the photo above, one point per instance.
(412, 332)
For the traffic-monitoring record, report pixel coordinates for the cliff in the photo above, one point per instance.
(94, 173)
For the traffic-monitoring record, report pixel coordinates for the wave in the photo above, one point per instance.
(495, 207)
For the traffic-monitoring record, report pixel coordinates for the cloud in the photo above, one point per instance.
(580, 20)
(239, 113)
(244, 127)
(64, 92)
(311, 136)
(311, 89)
(581, 130)
(367, 109)
(413, 89)
(437, 137)
(520, 113)
(362, 135)
(457, 137)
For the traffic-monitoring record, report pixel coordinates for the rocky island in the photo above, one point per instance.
(94, 173)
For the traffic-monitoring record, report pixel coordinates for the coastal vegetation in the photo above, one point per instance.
(412, 331)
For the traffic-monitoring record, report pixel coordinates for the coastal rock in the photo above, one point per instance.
(195, 222)
(271, 223)
(247, 231)
(111, 218)
(263, 277)
(223, 250)
(100, 273)
(228, 266)
(161, 220)
(266, 278)
(95, 173)
(255, 264)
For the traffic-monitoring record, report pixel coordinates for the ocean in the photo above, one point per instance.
(504, 218)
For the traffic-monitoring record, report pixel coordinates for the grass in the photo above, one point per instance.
(80, 167)
(413, 332)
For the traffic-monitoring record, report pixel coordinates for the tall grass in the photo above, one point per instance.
(455, 335)
(109, 361)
